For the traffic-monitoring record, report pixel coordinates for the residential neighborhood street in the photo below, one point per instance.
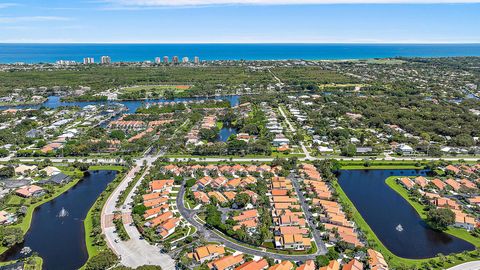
(308, 215)
(212, 235)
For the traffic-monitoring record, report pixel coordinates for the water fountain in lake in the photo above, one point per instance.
(399, 228)
(62, 213)
(25, 251)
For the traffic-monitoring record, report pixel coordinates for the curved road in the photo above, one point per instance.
(214, 236)
(475, 265)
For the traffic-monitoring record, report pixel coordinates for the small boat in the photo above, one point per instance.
(399, 228)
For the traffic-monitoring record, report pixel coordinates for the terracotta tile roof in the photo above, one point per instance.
(254, 265)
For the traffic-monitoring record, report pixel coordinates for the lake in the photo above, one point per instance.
(131, 105)
(225, 133)
(384, 209)
(60, 241)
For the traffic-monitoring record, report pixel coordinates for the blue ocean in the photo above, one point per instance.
(49, 53)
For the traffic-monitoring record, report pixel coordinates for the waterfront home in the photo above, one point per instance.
(463, 220)
(207, 253)
(376, 260)
(30, 191)
(254, 265)
(353, 265)
(7, 218)
(405, 181)
(227, 262)
(58, 179)
(421, 181)
(332, 265)
(308, 265)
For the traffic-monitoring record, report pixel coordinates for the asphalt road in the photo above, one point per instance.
(316, 234)
(215, 236)
(475, 265)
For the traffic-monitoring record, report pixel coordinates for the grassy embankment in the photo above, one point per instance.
(36, 264)
(381, 165)
(93, 213)
(392, 259)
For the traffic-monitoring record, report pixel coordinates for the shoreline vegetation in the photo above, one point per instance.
(94, 240)
(405, 263)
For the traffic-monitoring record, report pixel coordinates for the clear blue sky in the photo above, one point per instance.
(250, 21)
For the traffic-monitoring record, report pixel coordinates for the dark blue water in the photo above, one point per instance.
(61, 241)
(226, 132)
(49, 53)
(132, 106)
(383, 209)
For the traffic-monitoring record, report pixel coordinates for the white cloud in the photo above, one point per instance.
(7, 5)
(176, 3)
(32, 19)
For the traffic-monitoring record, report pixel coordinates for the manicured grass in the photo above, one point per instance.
(381, 167)
(393, 260)
(105, 168)
(457, 232)
(36, 265)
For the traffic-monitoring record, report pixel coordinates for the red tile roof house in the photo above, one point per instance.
(227, 262)
(254, 265)
(161, 185)
(453, 184)
(406, 182)
(421, 181)
(438, 184)
(30, 191)
(168, 227)
(452, 168)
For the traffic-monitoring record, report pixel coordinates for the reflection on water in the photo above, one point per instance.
(58, 234)
(393, 219)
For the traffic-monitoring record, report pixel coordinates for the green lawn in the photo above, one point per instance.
(36, 265)
(392, 259)
(105, 168)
